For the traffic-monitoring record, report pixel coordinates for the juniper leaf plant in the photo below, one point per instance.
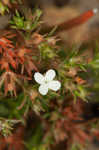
(25, 55)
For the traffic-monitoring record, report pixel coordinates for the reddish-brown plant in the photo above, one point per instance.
(15, 141)
(16, 62)
(71, 127)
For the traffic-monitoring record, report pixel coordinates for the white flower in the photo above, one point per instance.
(46, 82)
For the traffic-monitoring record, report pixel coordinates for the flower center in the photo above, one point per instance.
(46, 82)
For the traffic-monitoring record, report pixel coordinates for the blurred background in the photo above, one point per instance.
(57, 11)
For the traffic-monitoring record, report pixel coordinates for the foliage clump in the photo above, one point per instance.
(35, 121)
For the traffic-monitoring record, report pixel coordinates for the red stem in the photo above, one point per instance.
(76, 21)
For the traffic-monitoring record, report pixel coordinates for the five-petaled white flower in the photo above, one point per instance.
(46, 81)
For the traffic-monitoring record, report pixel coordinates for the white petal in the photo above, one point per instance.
(43, 89)
(50, 75)
(54, 85)
(39, 78)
